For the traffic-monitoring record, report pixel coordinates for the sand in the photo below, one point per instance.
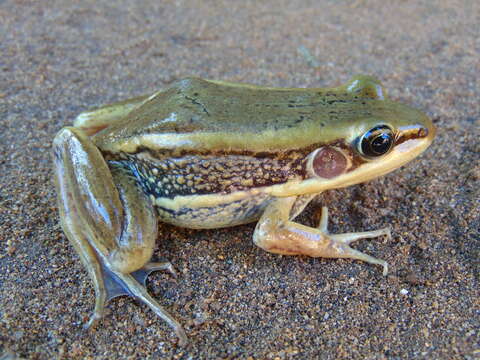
(58, 58)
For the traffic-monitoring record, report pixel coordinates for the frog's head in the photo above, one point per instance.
(388, 137)
(366, 144)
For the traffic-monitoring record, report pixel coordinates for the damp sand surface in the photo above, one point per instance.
(58, 58)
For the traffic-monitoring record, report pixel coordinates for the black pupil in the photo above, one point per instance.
(381, 143)
(377, 141)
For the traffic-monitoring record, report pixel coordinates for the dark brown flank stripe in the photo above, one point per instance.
(206, 172)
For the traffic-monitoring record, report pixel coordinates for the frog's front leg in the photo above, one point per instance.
(276, 233)
(109, 221)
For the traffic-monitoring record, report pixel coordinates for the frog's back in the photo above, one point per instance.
(200, 113)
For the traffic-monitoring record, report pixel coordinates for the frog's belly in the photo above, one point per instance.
(225, 214)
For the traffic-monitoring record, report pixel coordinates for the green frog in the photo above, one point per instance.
(208, 154)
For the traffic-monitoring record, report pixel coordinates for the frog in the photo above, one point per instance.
(205, 154)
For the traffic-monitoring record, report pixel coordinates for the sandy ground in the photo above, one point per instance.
(236, 301)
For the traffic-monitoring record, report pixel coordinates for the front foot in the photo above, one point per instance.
(276, 233)
(340, 242)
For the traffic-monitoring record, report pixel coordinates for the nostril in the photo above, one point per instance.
(422, 132)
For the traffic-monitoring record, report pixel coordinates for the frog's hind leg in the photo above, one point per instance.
(109, 221)
(275, 232)
(95, 120)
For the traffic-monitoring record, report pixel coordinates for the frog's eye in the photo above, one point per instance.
(376, 142)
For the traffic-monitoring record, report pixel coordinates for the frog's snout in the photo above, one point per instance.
(429, 130)
(416, 137)
(424, 130)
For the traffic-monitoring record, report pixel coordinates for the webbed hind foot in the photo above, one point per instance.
(116, 284)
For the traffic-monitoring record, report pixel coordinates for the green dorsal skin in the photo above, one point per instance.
(208, 115)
